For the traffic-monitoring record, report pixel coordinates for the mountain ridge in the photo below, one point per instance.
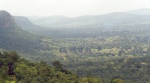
(107, 19)
(142, 11)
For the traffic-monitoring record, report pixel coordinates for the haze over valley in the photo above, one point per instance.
(68, 41)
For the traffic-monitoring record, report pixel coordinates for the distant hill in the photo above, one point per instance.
(48, 20)
(23, 21)
(107, 20)
(26, 24)
(143, 11)
(60, 26)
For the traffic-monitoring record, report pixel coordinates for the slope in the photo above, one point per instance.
(27, 25)
(12, 37)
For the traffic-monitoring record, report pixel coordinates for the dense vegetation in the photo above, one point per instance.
(110, 54)
(16, 70)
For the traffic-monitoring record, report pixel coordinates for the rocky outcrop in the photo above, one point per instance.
(6, 20)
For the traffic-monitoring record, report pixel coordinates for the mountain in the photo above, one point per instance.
(23, 21)
(6, 20)
(27, 25)
(107, 20)
(60, 26)
(143, 11)
(13, 37)
(47, 20)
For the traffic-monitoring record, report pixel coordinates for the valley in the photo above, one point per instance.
(111, 46)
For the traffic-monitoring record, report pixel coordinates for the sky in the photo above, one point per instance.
(70, 8)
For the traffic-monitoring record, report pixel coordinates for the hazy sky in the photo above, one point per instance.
(71, 8)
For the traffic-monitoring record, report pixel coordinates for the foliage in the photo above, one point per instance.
(16, 70)
(116, 81)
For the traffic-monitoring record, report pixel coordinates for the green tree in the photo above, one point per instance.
(116, 81)
(99, 48)
(57, 64)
